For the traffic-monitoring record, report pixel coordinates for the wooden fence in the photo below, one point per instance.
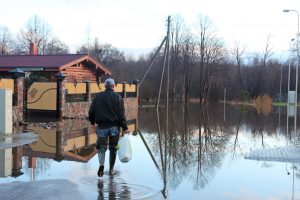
(43, 95)
(80, 88)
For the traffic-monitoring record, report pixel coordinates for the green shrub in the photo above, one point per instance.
(245, 96)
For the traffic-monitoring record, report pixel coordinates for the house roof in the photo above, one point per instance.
(47, 61)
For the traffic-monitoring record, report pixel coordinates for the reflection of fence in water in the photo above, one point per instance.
(76, 136)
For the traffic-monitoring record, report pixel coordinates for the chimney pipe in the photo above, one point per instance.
(33, 48)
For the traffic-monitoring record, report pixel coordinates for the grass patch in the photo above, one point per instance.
(279, 104)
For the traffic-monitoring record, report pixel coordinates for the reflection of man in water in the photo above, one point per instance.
(113, 190)
(107, 111)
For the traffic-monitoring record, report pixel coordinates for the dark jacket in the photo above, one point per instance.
(107, 110)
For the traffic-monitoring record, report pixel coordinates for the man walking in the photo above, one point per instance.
(107, 111)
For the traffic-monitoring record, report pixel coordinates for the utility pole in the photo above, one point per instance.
(167, 102)
(166, 52)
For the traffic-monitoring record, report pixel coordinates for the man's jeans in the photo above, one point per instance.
(103, 134)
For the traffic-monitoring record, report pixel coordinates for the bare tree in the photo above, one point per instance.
(267, 53)
(104, 53)
(36, 30)
(56, 46)
(211, 53)
(177, 32)
(5, 41)
(238, 53)
(189, 55)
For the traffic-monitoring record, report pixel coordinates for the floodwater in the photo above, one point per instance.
(201, 156)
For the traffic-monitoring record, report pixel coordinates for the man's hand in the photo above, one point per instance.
(125, 132)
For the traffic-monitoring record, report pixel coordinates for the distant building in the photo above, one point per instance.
(77, 67)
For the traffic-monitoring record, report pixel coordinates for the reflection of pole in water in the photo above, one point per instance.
(291, 113)
(287, 122)
(295, 123)
(224, 104)
(161, 156)
(279, 114)
(293, 189)
(148, 149)
(293, 182)
(159, 141)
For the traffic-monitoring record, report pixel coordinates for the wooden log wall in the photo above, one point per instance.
(79, 72)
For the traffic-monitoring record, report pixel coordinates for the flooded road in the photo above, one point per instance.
(201, 156)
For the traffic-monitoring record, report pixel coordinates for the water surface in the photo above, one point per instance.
(201, 156)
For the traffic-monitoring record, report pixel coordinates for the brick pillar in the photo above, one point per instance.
(18, 96)
(88, 91)
(60, 95)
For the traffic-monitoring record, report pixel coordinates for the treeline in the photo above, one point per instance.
(202, 67)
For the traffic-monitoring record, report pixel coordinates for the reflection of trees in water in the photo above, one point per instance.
(190, 153)
(197, 145)
(42, 166)
(236, 117)
(210, 145)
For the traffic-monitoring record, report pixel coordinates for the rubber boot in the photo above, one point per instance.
(101, 157)
(112, 160)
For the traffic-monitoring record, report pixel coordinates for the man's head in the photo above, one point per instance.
(109, 83)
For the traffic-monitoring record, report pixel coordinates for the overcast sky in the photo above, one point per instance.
(140, 24)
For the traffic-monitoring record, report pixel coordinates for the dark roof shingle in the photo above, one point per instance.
(47, 61)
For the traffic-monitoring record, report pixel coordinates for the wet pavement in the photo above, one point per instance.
(60, 189)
